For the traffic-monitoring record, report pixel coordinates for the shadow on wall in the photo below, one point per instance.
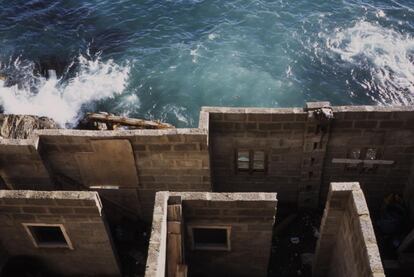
(25, 266)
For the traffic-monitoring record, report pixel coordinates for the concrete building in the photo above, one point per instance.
(223, 178)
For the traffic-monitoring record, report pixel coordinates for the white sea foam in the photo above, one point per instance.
(380, 13)
(62, 100)
(388, 54)
(212, 36)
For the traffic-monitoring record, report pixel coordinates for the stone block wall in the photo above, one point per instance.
(347, 246)
(389, 130)
(305, 154)
(79, 160)
(301, 155)
(21, 165)
(279, 132)
(178, 162)
(134, 164)
(175, 160)
(157, 248)
(250, 217)
(80, 213)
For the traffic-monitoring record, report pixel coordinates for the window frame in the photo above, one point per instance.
(251, 168)
(194, 246)
(362, 166)
(37, 244)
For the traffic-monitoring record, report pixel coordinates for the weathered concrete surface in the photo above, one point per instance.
(300, 154)
(389, 130)
(21, 165)
(279, 132)
(174, 160)
(347, 246)
(80, 213)
(299, 149)
(250, 217)
(157, 248)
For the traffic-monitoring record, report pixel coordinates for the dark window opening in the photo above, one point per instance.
(210, 238)
(48, 236)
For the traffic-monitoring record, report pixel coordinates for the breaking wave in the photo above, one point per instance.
(387, 56)
(61, 98)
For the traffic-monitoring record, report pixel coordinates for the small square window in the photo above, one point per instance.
(210, 238)
(243, 160)
(258, 160)
(48, 235)
(354, 154)
(249, 160)
(371, 154)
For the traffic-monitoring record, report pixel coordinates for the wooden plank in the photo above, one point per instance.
(174, 213)
(174, 253)
(174, 227)
(182, 270)
(139, 123)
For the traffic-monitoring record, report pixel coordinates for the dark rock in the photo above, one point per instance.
(21, 126)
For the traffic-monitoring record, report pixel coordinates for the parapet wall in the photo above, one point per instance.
(279, 132)
(88, 248)
(22, 165)
(132, 164)
(247, 217)
(347, 245)
(388, 130)
(304, 150)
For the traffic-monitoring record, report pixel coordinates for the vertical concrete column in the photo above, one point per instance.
(316, 136)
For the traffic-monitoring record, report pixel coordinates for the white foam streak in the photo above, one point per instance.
(62, 101)
(389, 54)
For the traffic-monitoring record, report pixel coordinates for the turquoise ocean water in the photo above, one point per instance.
(166, 59)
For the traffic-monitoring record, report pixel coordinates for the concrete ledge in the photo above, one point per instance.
(227, 110)
(119, 133)
(347, 245)
(156, 259)
(87, 248)
(241, 212)
(32, 194)
(372, 108)
(48, 198)
(246, 196)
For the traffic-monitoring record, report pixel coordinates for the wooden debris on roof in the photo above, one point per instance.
(106, 121)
